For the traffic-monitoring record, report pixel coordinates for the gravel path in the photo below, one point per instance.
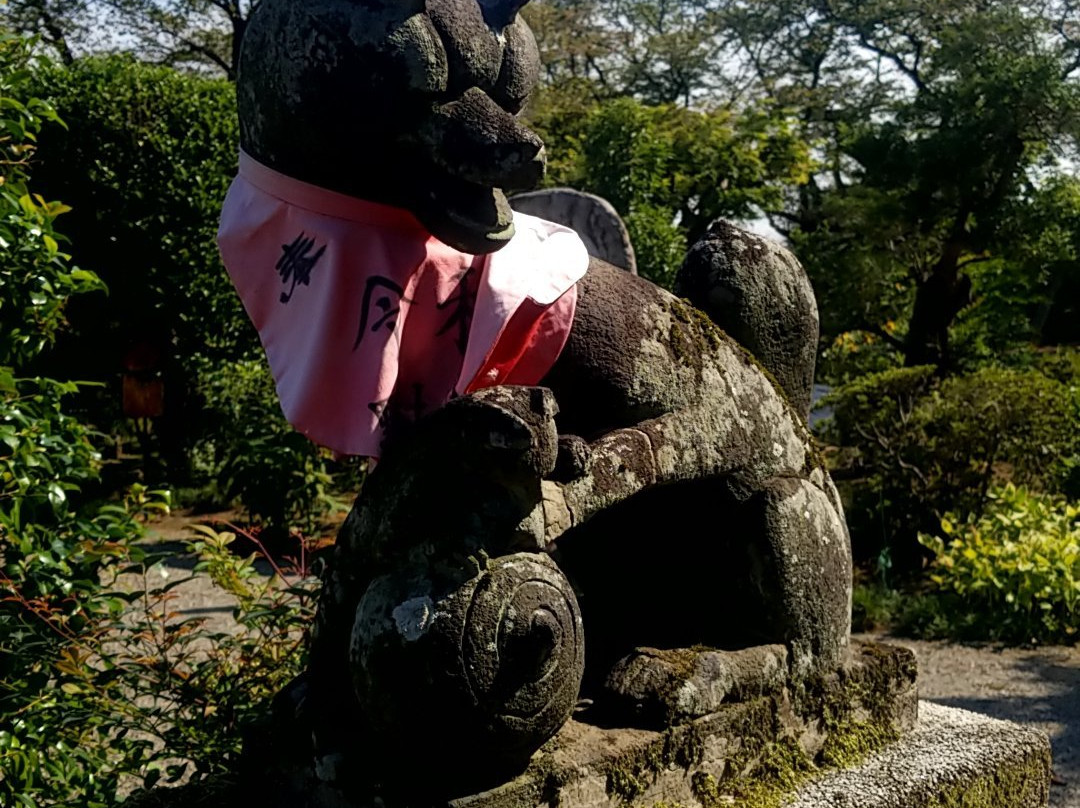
(1039, 687)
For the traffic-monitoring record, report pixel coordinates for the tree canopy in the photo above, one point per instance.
(917, 154)
(203, 35)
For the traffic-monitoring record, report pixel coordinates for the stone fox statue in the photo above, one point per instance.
(535, 546)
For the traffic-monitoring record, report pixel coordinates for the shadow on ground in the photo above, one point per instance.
(1039, 688)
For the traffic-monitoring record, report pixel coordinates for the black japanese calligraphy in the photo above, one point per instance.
(461, 305)
(296, 263)
(381, 311)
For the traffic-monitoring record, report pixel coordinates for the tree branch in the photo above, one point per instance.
(895, 59)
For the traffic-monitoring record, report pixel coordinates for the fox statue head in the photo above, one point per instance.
(409, 103)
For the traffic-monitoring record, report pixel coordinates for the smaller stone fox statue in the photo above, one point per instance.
(541, 529)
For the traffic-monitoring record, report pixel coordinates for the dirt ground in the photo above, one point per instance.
(1038, 687)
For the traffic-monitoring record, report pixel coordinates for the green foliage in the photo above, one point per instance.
(55, 546)
(207, 685)
(56, 601)
(144, 162)
(874, 607)
(933, 209)
(35, 277)
(1013, 572)
(146, 219)
(51, 547)
(279, 476)
(913, 446)
(139, 695)
(669, 171)
(57, 24)
(100, 682)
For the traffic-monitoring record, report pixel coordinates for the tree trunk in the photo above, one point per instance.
(54, 35)
(239, 25)
(939, 298)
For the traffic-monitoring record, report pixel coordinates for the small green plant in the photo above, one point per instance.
(209, 684)
(131, 693)
(102, 684)
(874, 607)
(280, 477)
(1013, 572)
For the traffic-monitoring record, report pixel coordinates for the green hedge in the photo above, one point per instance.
(911, 447)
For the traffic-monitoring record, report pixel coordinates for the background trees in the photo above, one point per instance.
(985, 107)
(933, 127)
(201, 35)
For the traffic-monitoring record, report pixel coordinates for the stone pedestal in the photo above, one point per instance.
(857, 739)
(750, 753)
(866, 742)
(953, 758)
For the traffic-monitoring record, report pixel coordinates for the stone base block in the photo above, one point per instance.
(858, 739)
(953, 758)
(751, 753)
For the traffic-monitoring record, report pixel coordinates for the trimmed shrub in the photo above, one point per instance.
(912, 447)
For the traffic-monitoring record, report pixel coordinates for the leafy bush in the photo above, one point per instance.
(253, 454)
(1063, 364)
(144, 163)
(99, 682)
(140, 695)
(199, 688)
(912, 447)
(1011, 573)
(669, 171)
(55, 545)
(54, 746)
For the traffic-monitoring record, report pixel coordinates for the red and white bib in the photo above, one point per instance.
(369, 321)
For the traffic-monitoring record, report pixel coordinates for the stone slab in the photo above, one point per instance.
(859, 740)
(743, 753)
(953, 758)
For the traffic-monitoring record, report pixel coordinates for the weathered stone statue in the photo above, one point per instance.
(659, 489)
(644, 537)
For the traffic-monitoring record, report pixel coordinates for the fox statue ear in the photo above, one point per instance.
(501, 13)
(520, 71)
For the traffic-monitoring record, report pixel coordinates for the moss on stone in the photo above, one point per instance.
(629, 776)
(709, 337)
(690, 749)
(853, 710)
(685, 340)
(551, 778)
(779, 767)
(681, 666)
(849, 741)
(868, 685)
(1021, 784)
(625, 783)
(783, 766)
(885, 666)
